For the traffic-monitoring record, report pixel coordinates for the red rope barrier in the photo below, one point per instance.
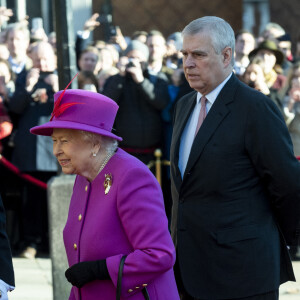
(26, 177)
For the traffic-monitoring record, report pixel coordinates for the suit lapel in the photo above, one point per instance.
(184, 111)
(217, 113)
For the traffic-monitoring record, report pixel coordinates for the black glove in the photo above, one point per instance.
(87, 271)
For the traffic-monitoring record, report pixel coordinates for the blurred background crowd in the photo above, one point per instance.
(142, 72)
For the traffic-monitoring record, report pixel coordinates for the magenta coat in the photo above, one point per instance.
(130, 219)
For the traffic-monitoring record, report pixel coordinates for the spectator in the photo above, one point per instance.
(140, 35)
(4, 53)
(255, 78)
(140, 101)
(87, 81)
(108, 57)
(103, 75)
(5, 124)
(173, 54)
(297, 52)
(7, 85)
(271, 57)
(52, 40)
(244, 44)
(157, 51)
(291, 99)
(271, 32)
(17, 39)
(83, 35)
(89, 60)
(34, 104)
(285, 46)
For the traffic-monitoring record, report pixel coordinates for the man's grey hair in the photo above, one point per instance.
(220, 32)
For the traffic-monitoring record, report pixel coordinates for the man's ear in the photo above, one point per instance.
(227, 55)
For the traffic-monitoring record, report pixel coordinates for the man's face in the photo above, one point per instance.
(244, 44)
(43, 58)
(285, 47)
(17, 43)
(157, 47)
(204, 69)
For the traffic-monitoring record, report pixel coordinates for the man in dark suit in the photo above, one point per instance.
(7, 280)
(235, 181)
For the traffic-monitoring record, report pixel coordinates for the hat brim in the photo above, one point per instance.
(278, 54)
(47, 128)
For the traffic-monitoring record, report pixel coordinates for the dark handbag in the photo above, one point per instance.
(119, 283)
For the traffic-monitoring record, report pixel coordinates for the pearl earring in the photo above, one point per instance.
(94, 154)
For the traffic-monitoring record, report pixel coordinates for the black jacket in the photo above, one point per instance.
(238, 204)
(138, 120)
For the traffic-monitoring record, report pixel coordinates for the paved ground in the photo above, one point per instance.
(34, 281)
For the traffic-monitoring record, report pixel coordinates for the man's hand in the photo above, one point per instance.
(91, 23)
(119, 39)
(5, 14)
(135, 70)
(52, 79)
(32, 78)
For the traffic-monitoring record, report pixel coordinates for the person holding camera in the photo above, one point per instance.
(141, 101)
(33, 155)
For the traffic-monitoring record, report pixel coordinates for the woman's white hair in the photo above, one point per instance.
(109, 145)
(220, 32)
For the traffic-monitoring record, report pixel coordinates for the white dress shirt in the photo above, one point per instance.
(188, 134)
(4, 288)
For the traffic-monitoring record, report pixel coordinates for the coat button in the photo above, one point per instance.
(145, 284)
(130, 291)
(79, 217)
(86, 188)
(75, 247)
(137, 287)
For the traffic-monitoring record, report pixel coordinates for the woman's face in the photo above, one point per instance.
(73, 152)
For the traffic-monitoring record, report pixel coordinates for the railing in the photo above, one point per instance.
(158, 163)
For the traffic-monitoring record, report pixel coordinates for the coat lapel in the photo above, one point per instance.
(217, 113)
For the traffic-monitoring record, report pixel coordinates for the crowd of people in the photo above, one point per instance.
(143, 73)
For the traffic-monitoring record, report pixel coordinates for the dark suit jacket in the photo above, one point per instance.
(239, 200)
(6, 267)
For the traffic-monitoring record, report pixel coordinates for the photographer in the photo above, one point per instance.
(33, 155)
(140, 102)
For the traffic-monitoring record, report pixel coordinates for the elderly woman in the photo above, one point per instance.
(116, 208)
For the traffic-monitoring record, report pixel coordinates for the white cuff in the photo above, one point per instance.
(4, 288)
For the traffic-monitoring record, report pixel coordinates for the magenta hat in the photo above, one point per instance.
(81, 110)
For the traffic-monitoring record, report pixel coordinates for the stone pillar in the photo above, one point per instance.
(59, 194)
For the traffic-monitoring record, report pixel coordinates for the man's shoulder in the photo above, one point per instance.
(190, 95)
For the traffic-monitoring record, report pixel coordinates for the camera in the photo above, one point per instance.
(130, 64)
(43, 75)
(113, 30)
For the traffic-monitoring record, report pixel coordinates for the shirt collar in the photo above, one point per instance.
(212, 96)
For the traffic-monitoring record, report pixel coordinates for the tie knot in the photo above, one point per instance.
(203, 100)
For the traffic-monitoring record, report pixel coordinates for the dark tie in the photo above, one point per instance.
(202, 113)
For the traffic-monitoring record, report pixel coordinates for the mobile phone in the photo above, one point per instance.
(37, 23)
